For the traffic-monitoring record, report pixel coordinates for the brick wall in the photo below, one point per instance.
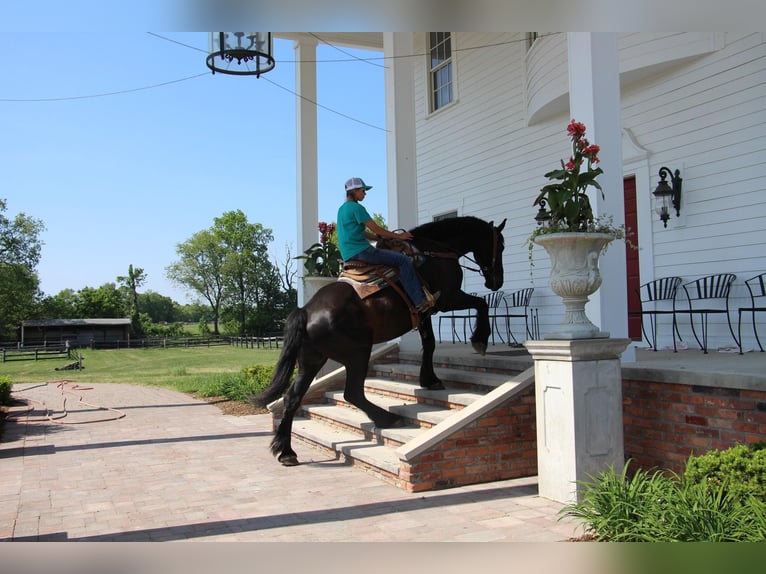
(500, 445)
(664, 422)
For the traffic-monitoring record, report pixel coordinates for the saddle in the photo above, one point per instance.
(367, 279)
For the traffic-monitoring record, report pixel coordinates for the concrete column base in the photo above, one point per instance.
(578, 391)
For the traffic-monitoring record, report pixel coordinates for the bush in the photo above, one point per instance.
(249, 381)
(663, 507)
(743, 467)
(5, 390)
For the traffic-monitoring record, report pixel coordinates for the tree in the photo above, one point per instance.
(200, 268)
(105, 302)
(20, 249)
(59, 306)
(159, 308)
(287, 271)
(229, 267)
(248, 272)
(131, 282)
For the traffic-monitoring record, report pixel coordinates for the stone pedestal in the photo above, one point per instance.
(578, 394)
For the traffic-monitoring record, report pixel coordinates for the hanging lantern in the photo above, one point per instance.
(241, 53)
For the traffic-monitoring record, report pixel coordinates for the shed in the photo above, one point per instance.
(79, 331)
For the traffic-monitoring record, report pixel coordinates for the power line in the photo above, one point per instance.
(102, 95)
(324, 107)
(353, 58)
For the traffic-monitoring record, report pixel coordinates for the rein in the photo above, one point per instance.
(452, 254)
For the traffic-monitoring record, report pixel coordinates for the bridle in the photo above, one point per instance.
(451, 253)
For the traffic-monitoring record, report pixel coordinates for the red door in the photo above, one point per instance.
(631, 257)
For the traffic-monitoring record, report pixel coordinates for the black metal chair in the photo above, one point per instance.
(701, 295)
(756, 287)
(519, 301)
(494, 301)
(657, 298)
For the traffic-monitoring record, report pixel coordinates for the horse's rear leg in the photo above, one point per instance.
(356, 372)
(281, 444)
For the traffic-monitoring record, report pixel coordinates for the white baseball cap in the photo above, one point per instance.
(356, 183)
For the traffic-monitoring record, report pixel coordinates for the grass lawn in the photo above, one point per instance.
(185, 369)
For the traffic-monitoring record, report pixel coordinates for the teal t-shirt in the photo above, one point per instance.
(351, 218)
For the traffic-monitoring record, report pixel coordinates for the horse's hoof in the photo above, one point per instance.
(480, 348)
(396, 424)
(438, 386)
(289, 460)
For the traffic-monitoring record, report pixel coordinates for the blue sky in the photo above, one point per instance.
(125, 145)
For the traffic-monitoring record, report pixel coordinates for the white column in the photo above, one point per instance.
(400, 123)
(307, 205)
(578, 401)
(400, 141)
(594, 99)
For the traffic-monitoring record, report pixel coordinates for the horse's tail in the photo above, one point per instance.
(295, 331)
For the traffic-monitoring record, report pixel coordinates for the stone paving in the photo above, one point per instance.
(170, 467)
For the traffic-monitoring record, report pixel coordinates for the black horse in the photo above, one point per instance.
(337, 324)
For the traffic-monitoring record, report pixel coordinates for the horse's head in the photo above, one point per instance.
(489, 256)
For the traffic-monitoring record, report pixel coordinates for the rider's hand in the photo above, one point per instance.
(406, 235)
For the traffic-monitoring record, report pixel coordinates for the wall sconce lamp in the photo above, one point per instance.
(543, 216)
(667, 195)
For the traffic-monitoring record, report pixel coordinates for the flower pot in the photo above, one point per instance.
(313, 283)
(574, 277)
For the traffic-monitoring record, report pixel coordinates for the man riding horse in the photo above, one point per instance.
(355, 231)
(338, 324)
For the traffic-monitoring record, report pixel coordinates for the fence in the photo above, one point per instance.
(266, 341)
(160, 342)
(19, 353)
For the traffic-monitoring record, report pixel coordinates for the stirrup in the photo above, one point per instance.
(431, 297)
(429, 302)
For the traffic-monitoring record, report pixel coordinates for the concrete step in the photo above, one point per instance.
(331, 424)
(499, 358)
(350, 444)
(347, 415)
(453, 397)
(411, 372)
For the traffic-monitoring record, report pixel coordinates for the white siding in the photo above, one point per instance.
(700, 108)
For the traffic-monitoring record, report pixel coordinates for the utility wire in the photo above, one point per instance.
(105, 94)
(353, 58)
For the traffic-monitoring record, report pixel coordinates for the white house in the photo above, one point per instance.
(474, 128)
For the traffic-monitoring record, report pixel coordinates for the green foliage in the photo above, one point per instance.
(323, 259)
(184, 369)
(662, 507)
(228, 266)
(565, 203)
(20, 250)
(5, 390)
(203, 326)
(236, 386)
(743, 467)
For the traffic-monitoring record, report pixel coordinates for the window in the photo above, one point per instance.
(440, 69)
(442, 216)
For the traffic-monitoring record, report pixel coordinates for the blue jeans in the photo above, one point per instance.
(407, 274)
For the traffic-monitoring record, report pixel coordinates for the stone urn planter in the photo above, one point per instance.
(313, 283)
(574, 277)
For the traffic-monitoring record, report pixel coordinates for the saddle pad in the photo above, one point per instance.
(364, 280)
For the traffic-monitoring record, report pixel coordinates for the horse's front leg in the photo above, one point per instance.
(480, 335)
(428, 378)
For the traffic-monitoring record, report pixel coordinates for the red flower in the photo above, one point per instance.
(591, 152)
(576, 130)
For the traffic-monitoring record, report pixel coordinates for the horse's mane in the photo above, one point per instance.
(449, 228)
